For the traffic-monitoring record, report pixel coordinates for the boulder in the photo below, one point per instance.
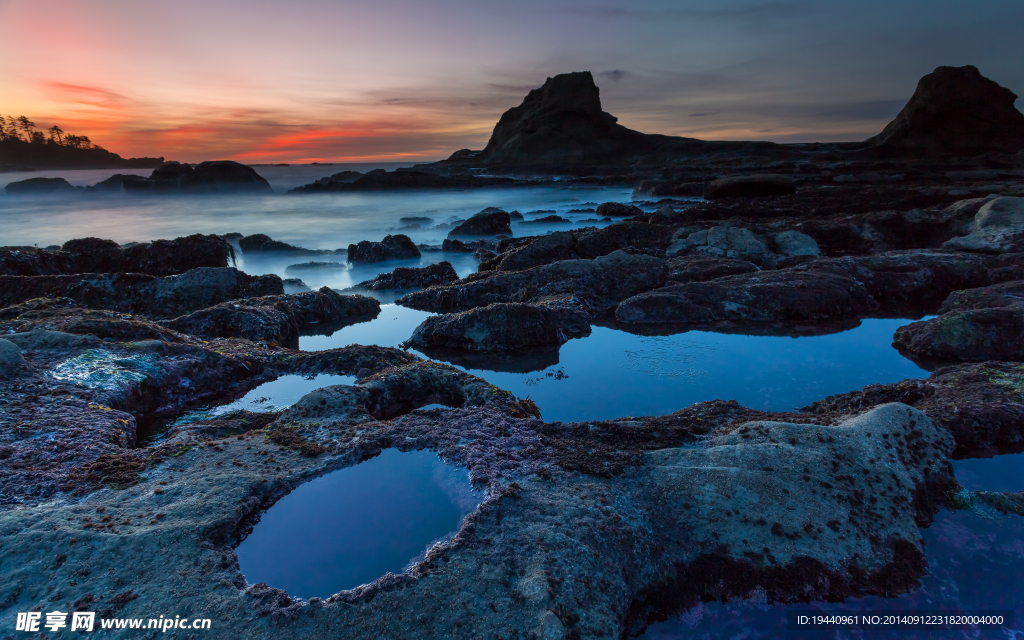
(954, 111)
(412, 277)
(45, 339)
(974, 335)
(35, 262)
(393, 247)
(456, 246)
(232, 320)
(501, 327)
(998, 228)
(114, 183)
(683, 269)
(562, 123)
(262, 243)
(346, 176)
(752, 186)
(11, 361)
(95, 255)
(173, 257)
(1004, 294)
(786, 296)
(483, 255)
(548, 220)
(618, 210)
(582, 243)
(486, 223)
(601, 282)
(723, 241)
(40, 185)
(205, 287)
(794, 243)
(324, 307)
(205, 177)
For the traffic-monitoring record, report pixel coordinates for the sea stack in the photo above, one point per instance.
(562, 123)
(954, 111)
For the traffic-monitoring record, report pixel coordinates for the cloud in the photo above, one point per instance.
(84, 94)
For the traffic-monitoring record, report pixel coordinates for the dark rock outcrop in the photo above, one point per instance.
(752, 186)
(601, 283)
(206, 177)
(489, 222)
(403, 179)
(562, 123)
(618, 210)
(40, 185)
(392, 247)
(166, 297)
(974, 335)
(262, 243)
(412, 277)
(502, 327)
(954, 111)
(534, 251)
(96, 255)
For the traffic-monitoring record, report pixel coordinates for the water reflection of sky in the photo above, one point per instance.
(353, 525)
(611, 373)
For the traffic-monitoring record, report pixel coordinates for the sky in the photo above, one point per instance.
(316, 80)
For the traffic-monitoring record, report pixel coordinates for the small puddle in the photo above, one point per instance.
(351, 526)
(393, 326)
(275, 395)
(998, 473)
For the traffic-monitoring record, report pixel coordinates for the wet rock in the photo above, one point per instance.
(393, 247)
(114, 183)
(485, 223)
(40, 185)
(277, 318)
(1004, 294)
(404, 179)
(723, 241)
(96, 255)
(272, 323)
(99, 324)
(165, 297)
(36, 304)
(502, 327)
(484, 255)
(338, 402)
(685, 269)
(36, 339)
(322, 307)
(172, 257)
(794, 243)
(974, 336)
(548, 220)
(584, 243)
(261, 243)
(998, 228)
(35, 262)
(618, 210)
(752, 186)
(456, 246)
(11, 361)
(294, 285)
(401, 389)
(954, 110)
(980, 404)
(602, 282)
(317, 266)
(412, 277)
(764, 296)
(206, 177)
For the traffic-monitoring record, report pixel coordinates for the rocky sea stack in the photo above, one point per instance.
(954, 111)
(562, 123)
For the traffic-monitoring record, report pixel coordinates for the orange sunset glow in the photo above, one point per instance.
(335, 81)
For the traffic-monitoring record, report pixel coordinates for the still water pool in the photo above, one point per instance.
(353, 525)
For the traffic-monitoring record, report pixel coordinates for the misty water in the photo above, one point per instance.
(608, 374)
(351, 526)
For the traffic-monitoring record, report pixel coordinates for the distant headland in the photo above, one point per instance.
(25, 148)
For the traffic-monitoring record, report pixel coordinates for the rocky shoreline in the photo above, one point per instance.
(588, 528)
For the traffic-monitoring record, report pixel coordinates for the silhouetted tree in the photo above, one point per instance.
(58, 133)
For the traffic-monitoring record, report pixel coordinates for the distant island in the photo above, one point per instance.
(25, 148)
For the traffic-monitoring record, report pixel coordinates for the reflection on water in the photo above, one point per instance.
(275, 395)
(394, 325)
(999, 473)
(353, 525)
(975, 564)
(611, 374)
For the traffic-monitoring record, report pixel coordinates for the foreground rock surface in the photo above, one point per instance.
(392, 247)
(412, 277)
(502, 327)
